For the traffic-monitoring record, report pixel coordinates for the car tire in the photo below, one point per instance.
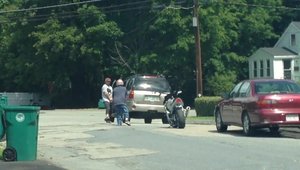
(247, 129)
(148, 120)
(165, 120)
(221, 127)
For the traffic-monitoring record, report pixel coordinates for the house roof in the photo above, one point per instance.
(297, 24)
(279, 51)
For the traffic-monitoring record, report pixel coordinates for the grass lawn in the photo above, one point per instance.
(1, 151)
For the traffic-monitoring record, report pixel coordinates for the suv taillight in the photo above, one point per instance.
(131, 94)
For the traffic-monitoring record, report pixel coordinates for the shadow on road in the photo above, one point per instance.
(265, 133)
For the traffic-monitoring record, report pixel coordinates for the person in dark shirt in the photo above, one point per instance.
(119, 102)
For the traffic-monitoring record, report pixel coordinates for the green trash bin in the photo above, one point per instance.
(101, 104)
(21, 126)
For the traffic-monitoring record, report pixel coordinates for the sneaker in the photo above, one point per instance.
(127, 123)
(107, 120)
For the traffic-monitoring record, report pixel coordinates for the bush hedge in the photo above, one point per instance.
(205, 105)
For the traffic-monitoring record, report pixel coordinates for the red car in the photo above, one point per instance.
(260, 103)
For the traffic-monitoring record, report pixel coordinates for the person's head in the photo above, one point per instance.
(107, 80)
(120, 82)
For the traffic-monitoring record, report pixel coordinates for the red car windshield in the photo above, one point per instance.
(271, 87)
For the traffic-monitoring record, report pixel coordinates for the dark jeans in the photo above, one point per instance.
(121, 113)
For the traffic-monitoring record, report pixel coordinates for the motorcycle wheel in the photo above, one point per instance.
(180, 119)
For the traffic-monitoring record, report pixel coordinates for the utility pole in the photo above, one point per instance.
(196, 25)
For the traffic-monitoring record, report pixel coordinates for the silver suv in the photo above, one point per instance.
(146, 94)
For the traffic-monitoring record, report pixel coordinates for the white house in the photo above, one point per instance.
(281, 61)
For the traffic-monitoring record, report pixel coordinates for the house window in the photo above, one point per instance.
(293, 39)
(287, 69)
(268, 68)
(254, 69)
(261, 68)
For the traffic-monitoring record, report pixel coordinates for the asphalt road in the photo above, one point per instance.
(80, 139)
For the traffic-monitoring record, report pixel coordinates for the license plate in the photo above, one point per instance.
(151, 98)
(290, 118)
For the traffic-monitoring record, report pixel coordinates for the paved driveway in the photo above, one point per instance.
(63, 138)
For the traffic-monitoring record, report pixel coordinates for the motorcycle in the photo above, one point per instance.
(175, 111)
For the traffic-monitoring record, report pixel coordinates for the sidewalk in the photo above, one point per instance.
(202, 122)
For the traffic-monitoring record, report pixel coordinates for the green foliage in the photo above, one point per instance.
(205, 105)
(72, 48)
(220, 83)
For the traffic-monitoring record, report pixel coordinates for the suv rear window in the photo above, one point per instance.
(152, 84)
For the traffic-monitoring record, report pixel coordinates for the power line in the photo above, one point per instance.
(109, 9)
(257, 5)
(139, 2)
(48, 7)
(70, 14)
(184, 8)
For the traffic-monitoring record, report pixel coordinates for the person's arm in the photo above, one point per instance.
(109, 94)
(126, 95)
(105, 92)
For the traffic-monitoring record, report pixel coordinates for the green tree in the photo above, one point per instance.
(231, 31)
(71, 48)
(73, 52)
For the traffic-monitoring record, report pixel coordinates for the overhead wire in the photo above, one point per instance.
(120, 8)
(163, 7)
(109, 9)
(256, 5)
(50, 6)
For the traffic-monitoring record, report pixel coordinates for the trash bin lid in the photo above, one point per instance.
(26, 108)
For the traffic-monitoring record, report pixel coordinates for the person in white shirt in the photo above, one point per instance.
(107, 98)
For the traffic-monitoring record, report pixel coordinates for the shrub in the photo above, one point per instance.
(205, 105)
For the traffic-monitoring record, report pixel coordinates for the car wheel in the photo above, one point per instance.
(219, 122)
(247, 129)
(274, 129)
(148, 120)
(165, 120)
